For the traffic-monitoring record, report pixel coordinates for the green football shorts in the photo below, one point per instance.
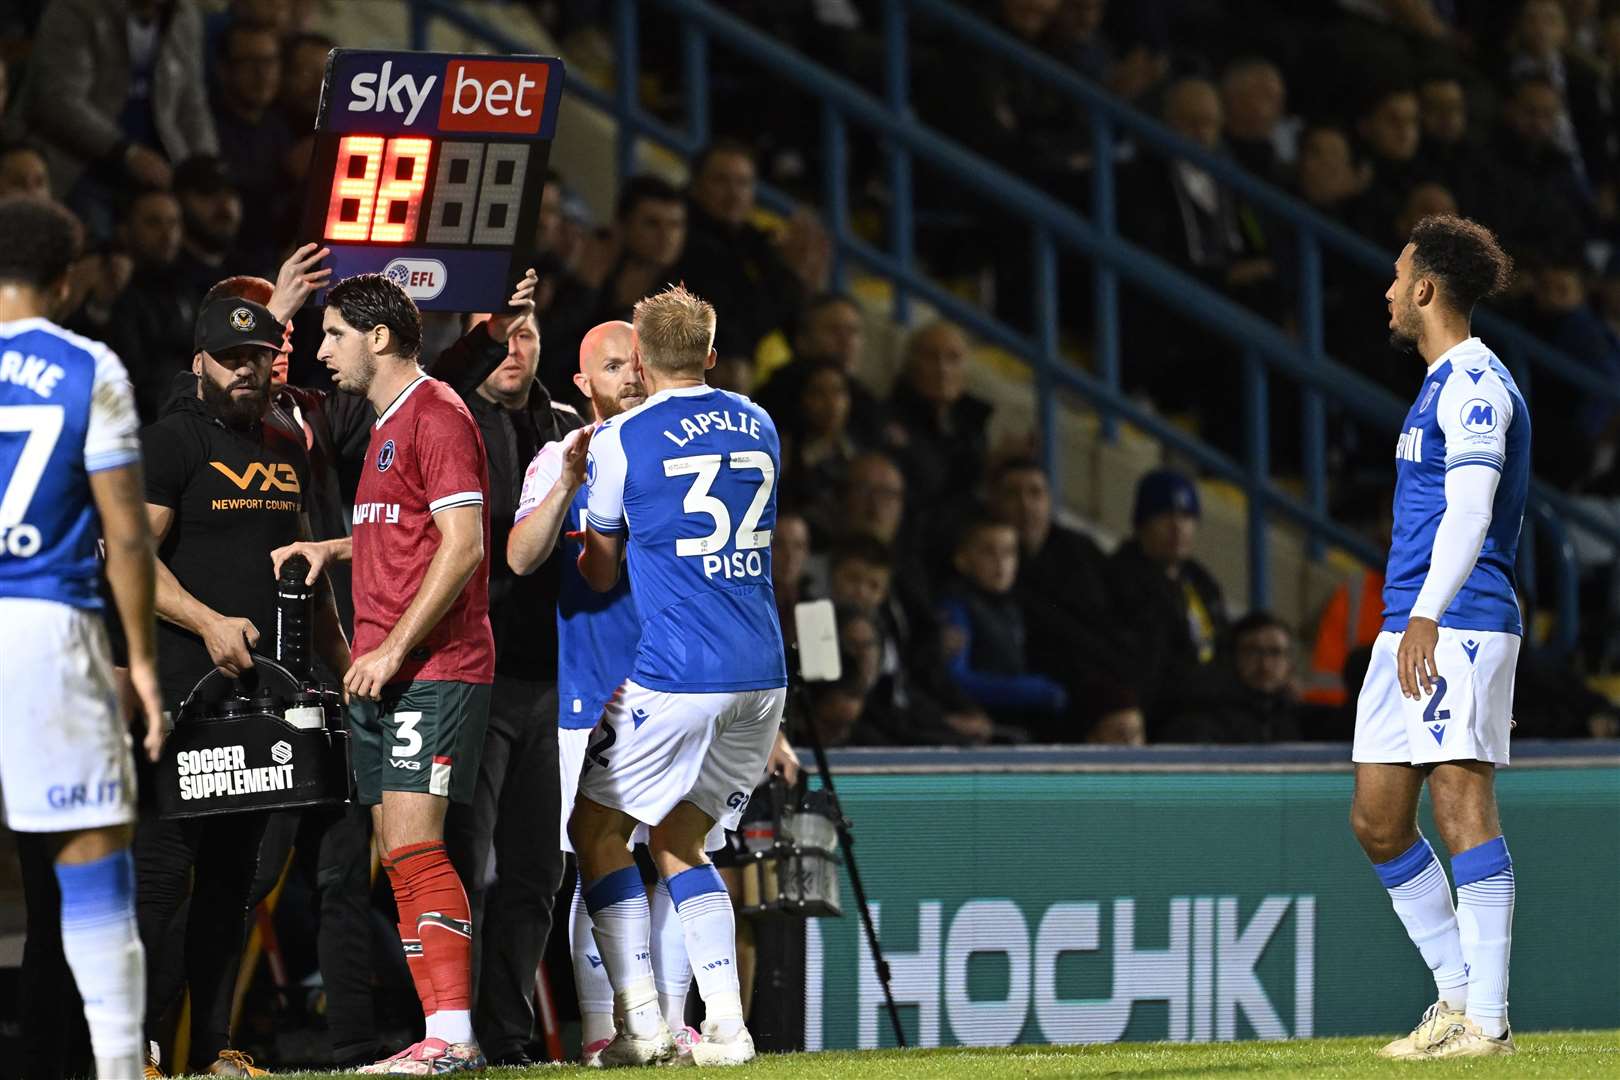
(424, 736)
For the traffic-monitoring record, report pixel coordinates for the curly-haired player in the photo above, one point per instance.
(424, 656)
(1438, 699)
(70, 479)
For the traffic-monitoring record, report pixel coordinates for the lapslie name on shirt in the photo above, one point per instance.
(702, 423)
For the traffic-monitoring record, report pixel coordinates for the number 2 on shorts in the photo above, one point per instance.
(596, 753)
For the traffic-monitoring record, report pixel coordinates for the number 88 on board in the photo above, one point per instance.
(429, 167)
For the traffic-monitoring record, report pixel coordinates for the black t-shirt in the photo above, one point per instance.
(236, 496)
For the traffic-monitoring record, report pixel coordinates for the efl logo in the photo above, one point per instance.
(422, 279)
(493, 95)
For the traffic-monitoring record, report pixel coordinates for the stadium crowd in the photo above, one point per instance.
(969, 610)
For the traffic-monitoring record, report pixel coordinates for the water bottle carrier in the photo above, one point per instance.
(233, 749)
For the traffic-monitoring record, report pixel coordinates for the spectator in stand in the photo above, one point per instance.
(254, 139)
(1329, 176)
(1252, 696)
(940, 430)
(1259, 134)
(1184, 215)
(1078, 36)
(754, 280)
(1179, 210)
(23, 171)
(150, 324)
(1450, 155)
(1422, 200)
(1540, 50)
(839, 709)
(914, 701)
(985, 637)
(211, 211)
(874, 502)
(1594, 107)
(115, 92)
(830, 329)
(1391, 135)
(616, 268)
(1000, 109)
(1167, 608)
(1547, 202)
(790, 558)
(1352, 619)
(1063, 589)
(303, 69)
(818, 445)
(1565, 453)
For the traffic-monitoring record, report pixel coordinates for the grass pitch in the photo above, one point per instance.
(1555, 1056)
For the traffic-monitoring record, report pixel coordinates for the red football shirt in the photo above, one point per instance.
(425, 456)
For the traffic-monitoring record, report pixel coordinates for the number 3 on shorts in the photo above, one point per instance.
(410, 740)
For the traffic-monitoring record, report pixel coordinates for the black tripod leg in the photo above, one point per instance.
(846, 843)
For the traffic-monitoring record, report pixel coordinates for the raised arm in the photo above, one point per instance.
(549, 486)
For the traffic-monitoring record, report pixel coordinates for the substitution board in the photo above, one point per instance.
(428, 167)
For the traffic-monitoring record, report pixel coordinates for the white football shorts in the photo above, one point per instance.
(653, 750)
(65, 757)
(571, 744)
(1467, 718)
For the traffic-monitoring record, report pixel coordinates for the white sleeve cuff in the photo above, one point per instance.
(460, 498)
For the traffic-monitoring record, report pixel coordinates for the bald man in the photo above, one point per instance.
(597, 635)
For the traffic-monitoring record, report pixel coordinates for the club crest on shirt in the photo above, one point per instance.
(385, 456)
(1428, 398)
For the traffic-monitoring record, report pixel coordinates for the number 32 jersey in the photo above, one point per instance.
(689, 477)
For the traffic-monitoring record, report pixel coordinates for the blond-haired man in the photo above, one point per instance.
(683, 486)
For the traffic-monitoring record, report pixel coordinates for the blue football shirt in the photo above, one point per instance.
(689, 477)
(1468, 414)
(66, 411)
(597, 632)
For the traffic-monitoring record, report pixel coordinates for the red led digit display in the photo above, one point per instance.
(399, 195)
(379, 184)
(354, 187)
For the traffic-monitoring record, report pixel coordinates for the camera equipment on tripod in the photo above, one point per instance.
(268, 739)
(817, 659)
(791, 867)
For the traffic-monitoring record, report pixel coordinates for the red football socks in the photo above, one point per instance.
(435, 917)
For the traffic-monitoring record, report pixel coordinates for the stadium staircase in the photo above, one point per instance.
(1269, 542)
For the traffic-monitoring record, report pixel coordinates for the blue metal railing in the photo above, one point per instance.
(1265, 347)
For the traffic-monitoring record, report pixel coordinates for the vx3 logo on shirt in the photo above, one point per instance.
(271, 477)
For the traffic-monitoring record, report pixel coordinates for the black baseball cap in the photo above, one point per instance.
(231, 322)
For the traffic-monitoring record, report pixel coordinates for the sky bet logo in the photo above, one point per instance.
(475, 95)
